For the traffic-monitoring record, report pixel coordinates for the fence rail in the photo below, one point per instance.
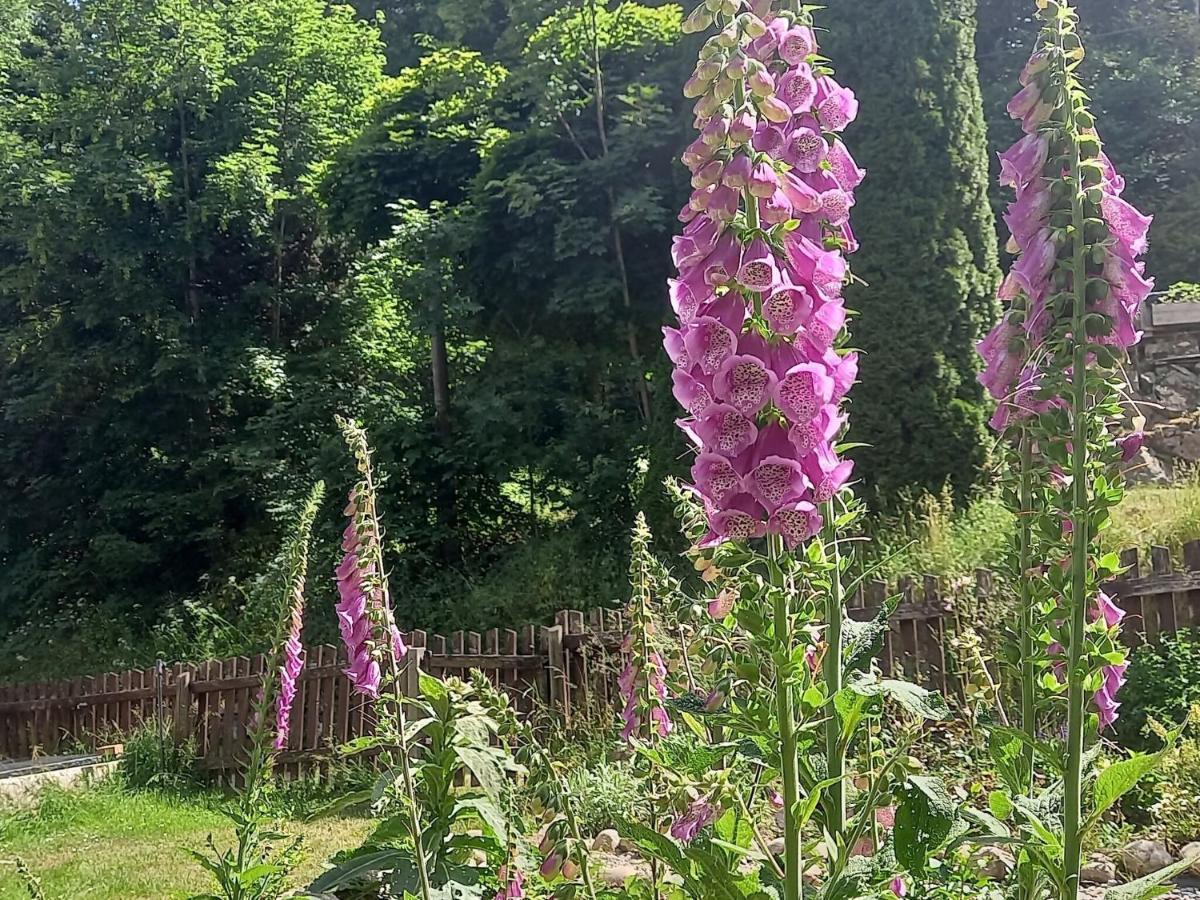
(569, 666)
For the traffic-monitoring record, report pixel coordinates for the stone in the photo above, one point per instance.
(1143, 856)
(995, 863)
(1145, 468)
(1098, 870)
(615, 874)
(1191, 851)
(776, 846)
(607, 841)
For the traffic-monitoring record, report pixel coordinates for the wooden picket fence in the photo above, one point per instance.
(569, 667)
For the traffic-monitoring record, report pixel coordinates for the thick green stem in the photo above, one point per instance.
(786, 718)
(1025, 582)
(1080, 519)
(835, 751)
(410, 787)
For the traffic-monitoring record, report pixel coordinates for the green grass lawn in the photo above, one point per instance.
(103, 843)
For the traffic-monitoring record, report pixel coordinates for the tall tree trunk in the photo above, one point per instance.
(445, 493)
(191, 292)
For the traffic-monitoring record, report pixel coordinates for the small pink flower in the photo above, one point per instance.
(898, 887)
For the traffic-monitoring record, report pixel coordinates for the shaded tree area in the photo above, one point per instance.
(928, 255)
(222, 223)
(1144, 62)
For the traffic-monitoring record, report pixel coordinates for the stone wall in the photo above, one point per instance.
(1166, 384)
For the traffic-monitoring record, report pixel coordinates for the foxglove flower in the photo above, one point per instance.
(513, 881)
(641, 697)
(761, 264)
(685, 828)
(289, 672)
(1022, 355)
(365, 622)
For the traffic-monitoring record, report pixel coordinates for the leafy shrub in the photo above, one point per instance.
(300, 797)
(153, 763)
(1163, 682)
(604, 793)
(1176, 814)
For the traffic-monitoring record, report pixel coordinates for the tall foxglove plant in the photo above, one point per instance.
(759, 299)
(1053, 363)
(761, 368)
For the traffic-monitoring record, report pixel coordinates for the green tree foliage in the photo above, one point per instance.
(165, 286)
(928, 242)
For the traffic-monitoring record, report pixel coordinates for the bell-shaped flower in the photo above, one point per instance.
(776, 209)
(797, 44)
(1107, 609)
(824, 324)
(837, 106)
(809, 263)
(1024, 160)
(769, 139)
(1028, 214)
(835, 206)
(843, 168)
(725, 430)
(709, 343)
(745, 383)
(676, 348)
(759, 271)
(692, 393)
(803, 197)
(763, 180)
(687, 298)
(1126, 224)
(716, 479)
(796, 521)
(737, 172)
(787, 308)
(797, 88)
(822, 428)
(805, 149)
(740, 520)
(826, 472)
(803, 391)
(773, 109)
(776, 475)
(1033, 269)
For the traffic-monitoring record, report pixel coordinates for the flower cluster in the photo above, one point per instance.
(1014, 352)
(1074, 237)
(289, 672)
(761, 263)
(639, 692)
(364, 619)
(685, 828)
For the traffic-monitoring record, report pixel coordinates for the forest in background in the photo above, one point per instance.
(223, 223)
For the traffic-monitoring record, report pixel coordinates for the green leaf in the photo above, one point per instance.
(248, 877)
(864, 640)
(1149, 885)
(1000, 805)
(923, 821)
(488, 812)
(486, 767)
(358, 867)
(1119, 779)
(336, 805)
(912, 697)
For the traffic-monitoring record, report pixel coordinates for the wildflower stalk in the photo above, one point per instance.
(835, 753)
(1025, 582)
(649, 698)
(785, 716)
(357, 439)
(1080, 516)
